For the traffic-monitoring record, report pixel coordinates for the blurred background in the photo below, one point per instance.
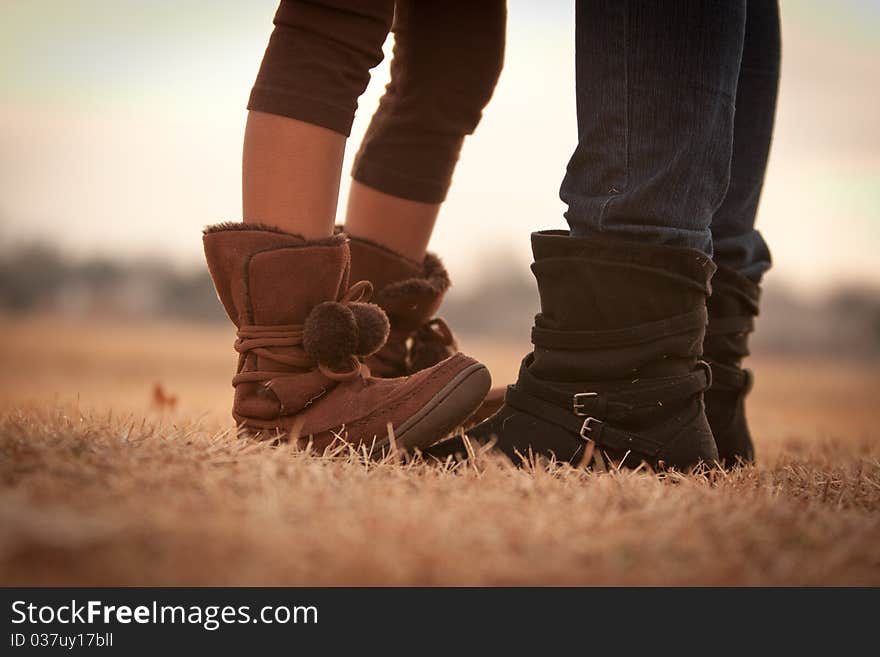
(120, 137)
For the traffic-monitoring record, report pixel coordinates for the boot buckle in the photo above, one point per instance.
(707, 368)
(578, 401)
(587, 429)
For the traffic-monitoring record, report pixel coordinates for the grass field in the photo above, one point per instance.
(99, 484)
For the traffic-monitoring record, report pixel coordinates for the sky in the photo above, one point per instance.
(121, 124)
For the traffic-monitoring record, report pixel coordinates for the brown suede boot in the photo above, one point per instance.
(410, 293)
(302, 333)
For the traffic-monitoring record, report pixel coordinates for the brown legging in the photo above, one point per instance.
(447, 58)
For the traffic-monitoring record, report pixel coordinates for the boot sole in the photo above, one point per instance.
(448, 409)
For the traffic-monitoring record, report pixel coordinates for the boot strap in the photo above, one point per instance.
(729, 377)
(726, 335)
(636, 395)
(556, 339)
(586, 413)
(731, 325)
(589, 428)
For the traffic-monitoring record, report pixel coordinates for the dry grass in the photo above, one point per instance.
(98, 487)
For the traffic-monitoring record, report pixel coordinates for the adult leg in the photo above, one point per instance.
(656, 87)
(741, 254)
(615, 369)
(737, 245)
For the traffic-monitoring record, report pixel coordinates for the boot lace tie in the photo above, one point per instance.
(263, 340)
(431, 343)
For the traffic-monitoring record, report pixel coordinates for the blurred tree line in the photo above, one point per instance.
(40, 279)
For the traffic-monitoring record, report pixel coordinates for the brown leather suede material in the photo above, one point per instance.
(293, 393)
(229, 250)
(373, 262)
(228, 253)
(286, 283)
(410, 293)
(393, 359)
(360, 410)
(256, 401)
(269, 282)
(408, 311)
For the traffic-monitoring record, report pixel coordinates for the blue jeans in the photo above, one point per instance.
(662, 157)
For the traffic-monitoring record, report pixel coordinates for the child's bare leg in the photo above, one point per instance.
(302, 106)
(399, 224)
(290, 174)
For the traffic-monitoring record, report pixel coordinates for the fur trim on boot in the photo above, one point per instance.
(302, 334)
(410, 294)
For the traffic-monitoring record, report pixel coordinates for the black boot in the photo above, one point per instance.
(616, 367)
(732, 308)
